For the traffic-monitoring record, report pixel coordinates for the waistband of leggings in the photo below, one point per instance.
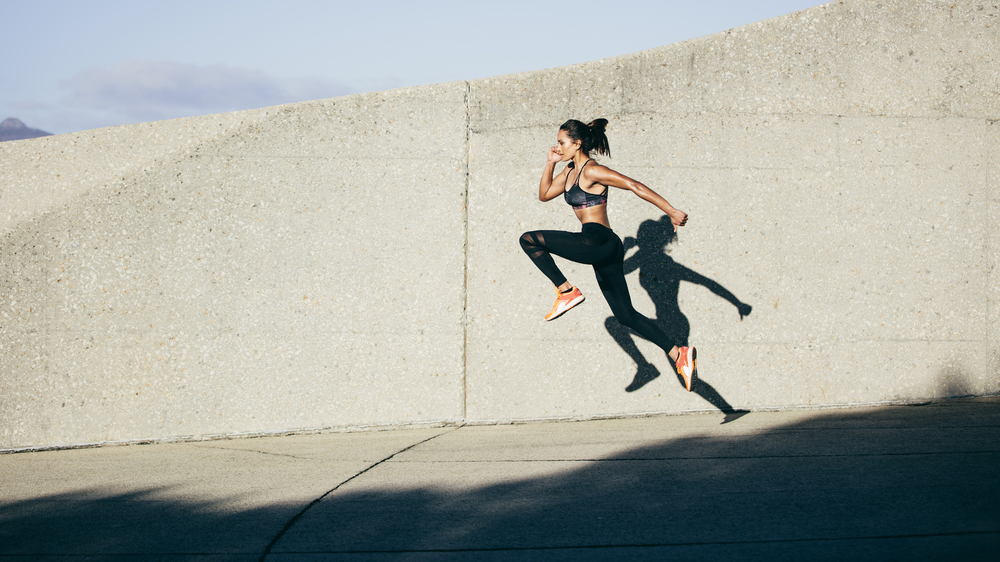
(595, 226)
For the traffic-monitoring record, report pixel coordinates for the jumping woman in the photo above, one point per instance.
(584, 184)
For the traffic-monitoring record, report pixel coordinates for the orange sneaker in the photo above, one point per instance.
(687, 365)
(564, 302)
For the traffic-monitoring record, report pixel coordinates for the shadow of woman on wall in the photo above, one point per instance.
(661, 277)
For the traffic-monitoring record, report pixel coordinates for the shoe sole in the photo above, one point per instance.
(566, 308)
(693, 360)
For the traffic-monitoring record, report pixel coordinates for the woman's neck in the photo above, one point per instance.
(580, 158)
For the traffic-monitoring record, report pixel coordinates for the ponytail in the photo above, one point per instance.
(600, 140)
(591, 135)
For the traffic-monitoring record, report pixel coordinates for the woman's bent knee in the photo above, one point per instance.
(529, 241)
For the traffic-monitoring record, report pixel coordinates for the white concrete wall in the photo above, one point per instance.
(292, 267)
(354, 261)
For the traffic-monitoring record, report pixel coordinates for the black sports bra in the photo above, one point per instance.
(579, 198)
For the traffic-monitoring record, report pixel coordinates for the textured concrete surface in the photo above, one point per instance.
(837, 171)
(354, 261)
(283, 273)
(904, 483)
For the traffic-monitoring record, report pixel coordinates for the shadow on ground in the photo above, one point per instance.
(890, 483)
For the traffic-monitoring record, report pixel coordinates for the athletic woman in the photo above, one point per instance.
(584, 184)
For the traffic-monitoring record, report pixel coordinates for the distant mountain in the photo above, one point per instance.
(14, 129)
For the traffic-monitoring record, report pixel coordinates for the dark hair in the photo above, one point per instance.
(591, 135)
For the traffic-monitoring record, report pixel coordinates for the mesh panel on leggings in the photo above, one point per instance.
(533, 244)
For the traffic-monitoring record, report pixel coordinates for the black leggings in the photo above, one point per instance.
(599, 246)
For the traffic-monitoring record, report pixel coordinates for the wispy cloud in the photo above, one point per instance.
(142, 90)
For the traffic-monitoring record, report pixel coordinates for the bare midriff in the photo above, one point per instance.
(597, 213)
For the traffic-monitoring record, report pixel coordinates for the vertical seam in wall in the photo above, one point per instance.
(465, 251)
(992, 291)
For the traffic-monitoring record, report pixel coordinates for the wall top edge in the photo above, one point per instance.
(236, 118)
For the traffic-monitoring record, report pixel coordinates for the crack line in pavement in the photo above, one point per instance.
(252, 451)
(291, 522)
(650, 545)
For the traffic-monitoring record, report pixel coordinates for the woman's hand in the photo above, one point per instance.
(553, 155)
(548, 187)
(677, 218)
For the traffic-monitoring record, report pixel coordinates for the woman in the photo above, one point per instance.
(596, 244)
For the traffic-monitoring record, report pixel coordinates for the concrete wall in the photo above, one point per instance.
(293, 267)
(354, 261)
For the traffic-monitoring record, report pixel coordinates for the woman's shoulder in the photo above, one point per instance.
(595, 167)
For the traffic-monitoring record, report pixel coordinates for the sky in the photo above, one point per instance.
(70, 66)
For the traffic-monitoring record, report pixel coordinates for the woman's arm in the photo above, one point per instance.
(606, 176)
(549, 188)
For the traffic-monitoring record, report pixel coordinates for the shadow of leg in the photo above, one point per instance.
(646, 371)
(712, 396)
(645, 374)
(734, 415)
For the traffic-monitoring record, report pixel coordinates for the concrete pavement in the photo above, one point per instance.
(903, 482)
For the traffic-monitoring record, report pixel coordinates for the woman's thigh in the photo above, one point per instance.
(611, 279)
(573, 246)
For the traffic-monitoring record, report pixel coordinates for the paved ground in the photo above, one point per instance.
(908, 482)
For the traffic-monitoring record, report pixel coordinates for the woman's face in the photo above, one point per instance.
(566, 147)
